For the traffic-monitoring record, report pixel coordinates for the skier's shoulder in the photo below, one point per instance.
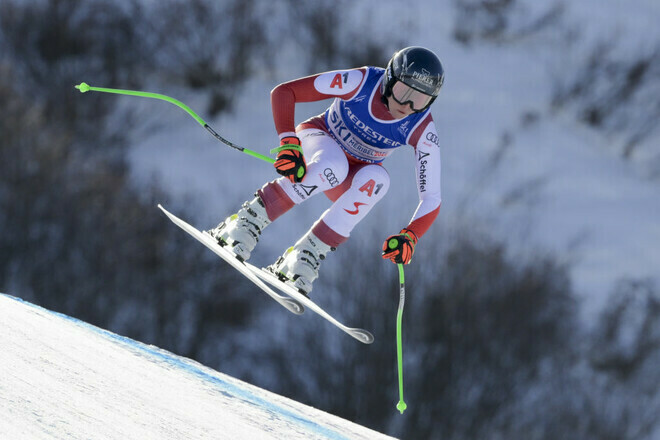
(424, 131)
(340, 82)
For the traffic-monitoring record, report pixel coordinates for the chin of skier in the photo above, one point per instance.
(374, 112)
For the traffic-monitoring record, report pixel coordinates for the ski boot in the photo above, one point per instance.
(299, 266)
(241, 231)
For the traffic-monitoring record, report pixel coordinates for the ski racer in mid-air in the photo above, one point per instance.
(340, 152)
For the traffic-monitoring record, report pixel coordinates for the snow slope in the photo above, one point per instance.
(61, 378)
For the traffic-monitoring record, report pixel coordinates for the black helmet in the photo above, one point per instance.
(418, 68)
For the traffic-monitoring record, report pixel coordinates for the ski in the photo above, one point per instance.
(243, 267)
(293, 300)
(266, 275)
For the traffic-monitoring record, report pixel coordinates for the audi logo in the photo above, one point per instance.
(332, 179)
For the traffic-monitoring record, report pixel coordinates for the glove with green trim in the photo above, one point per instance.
(290, 162)
(399, 248)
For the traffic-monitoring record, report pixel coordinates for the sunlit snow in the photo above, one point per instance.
(61, 378)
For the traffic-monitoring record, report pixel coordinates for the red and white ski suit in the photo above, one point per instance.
(344, 147)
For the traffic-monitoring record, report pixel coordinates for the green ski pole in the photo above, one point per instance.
(401, 406)
(84, 87)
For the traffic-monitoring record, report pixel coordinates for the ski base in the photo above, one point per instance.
(243, 267)
(294, 301)
(266, 275)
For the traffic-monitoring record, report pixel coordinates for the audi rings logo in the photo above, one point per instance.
(433, 138)
(332, 179)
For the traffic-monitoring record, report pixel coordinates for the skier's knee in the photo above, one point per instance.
(336, 172)
(372, 180)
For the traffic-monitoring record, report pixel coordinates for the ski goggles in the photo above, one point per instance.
(404, 94)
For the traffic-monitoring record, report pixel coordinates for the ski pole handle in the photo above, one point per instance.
(84, 87)
(401, 406)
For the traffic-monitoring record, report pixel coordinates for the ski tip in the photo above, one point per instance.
(295, 307)
(362, 335)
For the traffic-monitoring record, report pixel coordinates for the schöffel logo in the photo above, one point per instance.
(308, 189)
(422, 171)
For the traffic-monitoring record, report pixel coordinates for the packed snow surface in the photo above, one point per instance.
(61, 378)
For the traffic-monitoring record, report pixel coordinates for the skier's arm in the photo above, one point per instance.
(399, 248)
(427, 167)
(336, 84)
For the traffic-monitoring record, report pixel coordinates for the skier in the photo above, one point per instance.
(339, 152)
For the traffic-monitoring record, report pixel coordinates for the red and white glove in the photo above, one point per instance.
(399, 248)
(290, 161)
